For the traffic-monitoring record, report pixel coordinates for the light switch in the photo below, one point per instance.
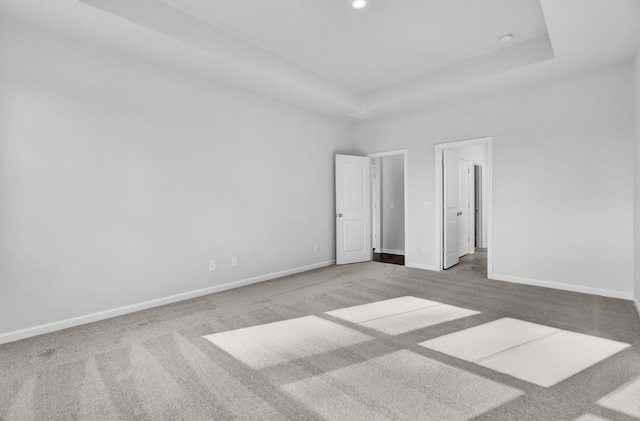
(392, 205)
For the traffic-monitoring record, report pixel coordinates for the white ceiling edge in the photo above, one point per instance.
(500, 61)
(261, 71)
(585, 34)
(238, 62)
(587, 28)
(478, 89)
(75, 19)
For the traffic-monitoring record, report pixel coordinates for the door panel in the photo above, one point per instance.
(450, 201)
(463, 207)
(353, 191)
(354, 236)
(353, 209)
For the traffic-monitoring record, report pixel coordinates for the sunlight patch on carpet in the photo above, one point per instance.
(401, 315)
(535, 353)
(591, 417)
(275, 343)
(626, 399)
(400, 385)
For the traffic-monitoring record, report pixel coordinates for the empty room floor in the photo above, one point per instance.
(356, 342)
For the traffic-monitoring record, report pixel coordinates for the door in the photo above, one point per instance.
(353, 209)
(450, 202)
(463, 207)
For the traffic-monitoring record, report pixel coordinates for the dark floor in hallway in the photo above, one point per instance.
(394, 259)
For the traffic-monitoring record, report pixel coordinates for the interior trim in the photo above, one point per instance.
(421, 266)
(564, 287)
(107, 314)
(389, 251)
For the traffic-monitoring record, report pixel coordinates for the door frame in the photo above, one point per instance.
(404, 153)
(470, 249)
(375, 200)
(488, 198)
(477, 201)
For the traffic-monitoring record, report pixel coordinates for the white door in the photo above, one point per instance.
(463, 207)
(450, 201)
(353, 209)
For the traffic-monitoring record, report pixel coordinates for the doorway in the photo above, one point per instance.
(355, 213)
(388, 234)
(389, 184)
(463, 201)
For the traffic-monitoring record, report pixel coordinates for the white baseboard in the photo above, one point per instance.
(566, 287)
(636, 301)
(94, 317)
(389, 251)
(421, 266)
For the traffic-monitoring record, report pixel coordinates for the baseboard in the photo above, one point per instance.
(565, 287)
(420, 266)
(637, 304)
(389, 251)
(94, 317)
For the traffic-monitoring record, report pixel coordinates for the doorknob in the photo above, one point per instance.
(339, 215)
(459, 213)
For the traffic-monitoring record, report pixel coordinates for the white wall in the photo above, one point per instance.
(562, 177)
(120, 179)
(392, 191)
(637, 187)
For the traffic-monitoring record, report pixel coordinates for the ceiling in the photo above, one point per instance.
(393, 56)
(387, 43)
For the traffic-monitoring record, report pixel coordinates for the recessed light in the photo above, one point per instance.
(505, 38)
(359, 4)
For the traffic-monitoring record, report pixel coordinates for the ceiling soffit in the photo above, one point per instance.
(582, 34)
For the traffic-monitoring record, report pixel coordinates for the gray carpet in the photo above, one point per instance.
(158, 364)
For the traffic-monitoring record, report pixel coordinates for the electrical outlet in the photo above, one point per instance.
(426, 205)
(234, 261)
(315, 248)
(212, 265)
(424, 248)
(392, 205)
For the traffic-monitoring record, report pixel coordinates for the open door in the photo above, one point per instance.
(450, 177)
(353, 209)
